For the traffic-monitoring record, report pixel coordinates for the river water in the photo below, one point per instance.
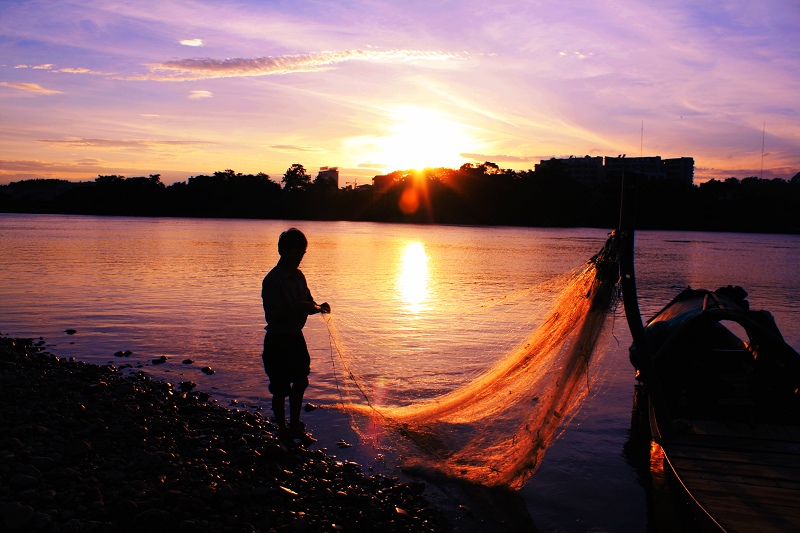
(421, 309)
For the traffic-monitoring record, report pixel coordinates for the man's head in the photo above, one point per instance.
(292, 241)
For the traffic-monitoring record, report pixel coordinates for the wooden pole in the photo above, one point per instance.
(643, 358)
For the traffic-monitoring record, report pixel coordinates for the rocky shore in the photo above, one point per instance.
(86, 448)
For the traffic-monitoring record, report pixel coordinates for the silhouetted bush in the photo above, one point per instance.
(473, 194)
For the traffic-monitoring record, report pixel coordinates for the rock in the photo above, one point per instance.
(22, 482)
(207, 370)
(77, 447)
(160, 361)
(70, 331)
(155, 520)
(15, 515)
(187, 361)
(30, 470)
(126, 509)
(41, 521)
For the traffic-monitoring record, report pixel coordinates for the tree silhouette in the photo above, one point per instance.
(296, 178)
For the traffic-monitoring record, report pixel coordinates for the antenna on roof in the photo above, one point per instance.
(641, 142)
(763, 136)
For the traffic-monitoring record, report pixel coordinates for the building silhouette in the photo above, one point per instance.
(600, 170)
(328, 177)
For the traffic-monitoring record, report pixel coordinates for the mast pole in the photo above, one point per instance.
(763, 137)
(643, 357)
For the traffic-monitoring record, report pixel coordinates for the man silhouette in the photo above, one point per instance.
(287, 304)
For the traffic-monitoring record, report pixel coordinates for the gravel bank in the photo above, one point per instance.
(86, 448)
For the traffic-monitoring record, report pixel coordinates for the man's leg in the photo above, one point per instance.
(296, 401)
(279, 410)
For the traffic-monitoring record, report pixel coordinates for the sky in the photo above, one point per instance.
(181, 88)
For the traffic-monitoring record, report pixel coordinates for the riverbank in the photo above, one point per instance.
(85, 448)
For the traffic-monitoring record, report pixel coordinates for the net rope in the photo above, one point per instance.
(495, 428)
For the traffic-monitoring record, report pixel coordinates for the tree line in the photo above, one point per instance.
(483, 194)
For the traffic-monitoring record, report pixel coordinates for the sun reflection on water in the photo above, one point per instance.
(413, 277)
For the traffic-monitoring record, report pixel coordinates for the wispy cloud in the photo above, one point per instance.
(191, 42)
(136, 144)
(29, 87)
(293, 148)
(78, 70)
(11, 169)
(206, 68)
(196, 95)
(68, 70)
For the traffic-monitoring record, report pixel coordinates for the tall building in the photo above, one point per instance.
(328, 176)
(598, 170)
(651, 167)
(585, 170)
(680, 169)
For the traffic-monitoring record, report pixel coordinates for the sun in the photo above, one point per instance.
(416, 138)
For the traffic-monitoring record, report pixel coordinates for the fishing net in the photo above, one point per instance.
(494, 429)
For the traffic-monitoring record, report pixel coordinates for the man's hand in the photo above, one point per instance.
(324, 308)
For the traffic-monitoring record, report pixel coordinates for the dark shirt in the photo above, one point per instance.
(285, 295)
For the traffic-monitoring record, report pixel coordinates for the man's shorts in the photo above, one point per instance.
(286, 361)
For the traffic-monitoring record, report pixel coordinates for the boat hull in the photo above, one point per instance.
(728, 418)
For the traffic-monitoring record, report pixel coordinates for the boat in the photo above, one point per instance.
(723, 404)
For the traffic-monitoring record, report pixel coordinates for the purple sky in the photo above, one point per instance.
(183, 88)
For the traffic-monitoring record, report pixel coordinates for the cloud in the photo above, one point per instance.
(578, 55)
(90, 161)
(78, 70)
(26, 164)
(138, 144)
(45, 66)
(29, 87)
(191, 42)
(68, 70)
(293, 148)
(372, 165)
(196, 95)
(207, 68)
(21, 169)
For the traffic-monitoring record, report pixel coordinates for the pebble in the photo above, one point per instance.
(139, 455)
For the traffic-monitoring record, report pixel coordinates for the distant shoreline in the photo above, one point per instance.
(470, 197)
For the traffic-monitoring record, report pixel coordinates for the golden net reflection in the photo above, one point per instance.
(495, 429)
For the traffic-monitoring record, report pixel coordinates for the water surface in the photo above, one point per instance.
(423, 309)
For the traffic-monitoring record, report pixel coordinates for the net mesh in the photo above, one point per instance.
(495, 429)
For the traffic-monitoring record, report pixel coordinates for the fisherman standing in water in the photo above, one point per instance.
(287, 304)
